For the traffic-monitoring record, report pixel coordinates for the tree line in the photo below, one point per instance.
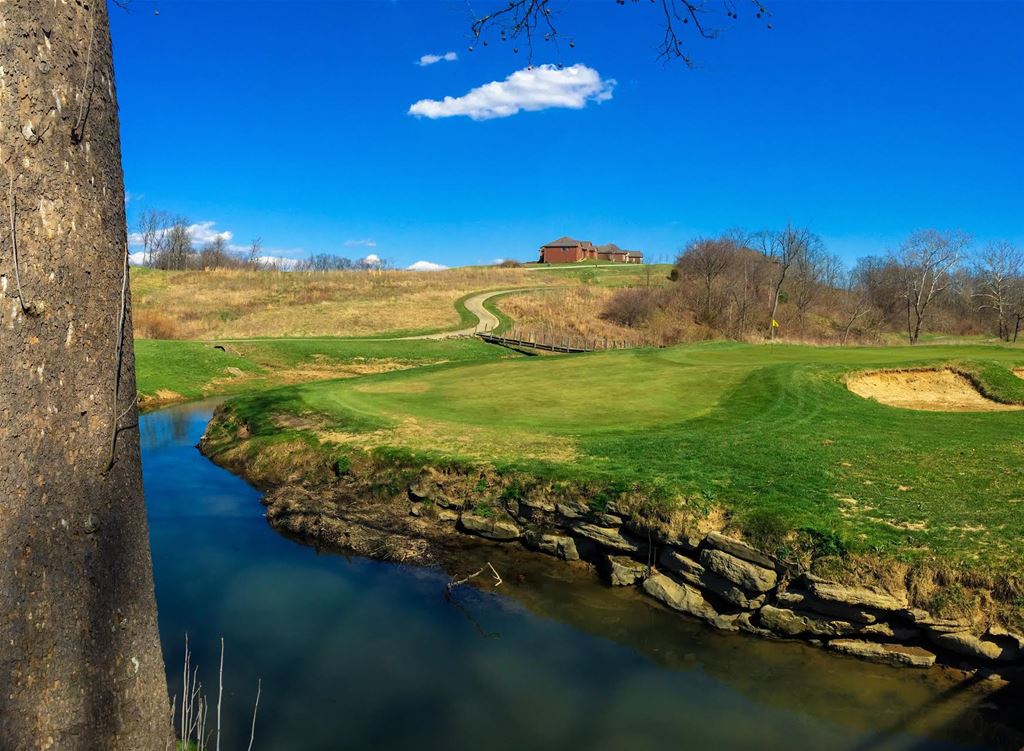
(167, 243)
(755, 285)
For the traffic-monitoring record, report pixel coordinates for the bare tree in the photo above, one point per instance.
(783, 249)
(152, 226)
(216, 255)
(998, 275)
(1017, 308)
(326, 262)
(81, 665)
(255, 255)
(175, 251)
(745, 277)
(815, 273)
(924, 262)
(527, 21)
(881, 280)
(707, 260)
(855, 304)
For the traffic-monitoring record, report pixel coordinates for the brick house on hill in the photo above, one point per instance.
(565, 250)
(568, 250)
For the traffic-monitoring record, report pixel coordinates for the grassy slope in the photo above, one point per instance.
(772, 435)
(196, 369)
(183, 367)
(246, 304)
(624, 275)
(193, 369)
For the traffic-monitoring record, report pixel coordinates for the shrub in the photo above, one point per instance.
(149, 324)
(633, 307)
(510, 263)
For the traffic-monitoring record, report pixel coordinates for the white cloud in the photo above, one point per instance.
(431, 59)
(529, 89)
(372, 260)
(366, 243)
(426, 266)
(204, 232)
(137, 259)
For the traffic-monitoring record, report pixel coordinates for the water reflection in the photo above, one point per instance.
(359, 654)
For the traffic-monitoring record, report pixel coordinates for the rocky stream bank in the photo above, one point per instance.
(415, 514)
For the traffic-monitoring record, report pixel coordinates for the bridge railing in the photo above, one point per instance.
(552, 340)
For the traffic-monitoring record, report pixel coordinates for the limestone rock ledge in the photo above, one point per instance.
(721, 580)
(728, 583)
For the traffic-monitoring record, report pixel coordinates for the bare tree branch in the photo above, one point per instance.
(525, 21)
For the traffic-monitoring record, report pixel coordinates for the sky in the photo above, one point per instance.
(363, 127)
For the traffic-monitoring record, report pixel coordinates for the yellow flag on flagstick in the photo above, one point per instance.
(775, 324)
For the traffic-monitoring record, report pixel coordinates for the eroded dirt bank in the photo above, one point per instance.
(391, 508)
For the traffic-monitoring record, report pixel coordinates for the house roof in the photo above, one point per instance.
(564, 242)
(606, 249)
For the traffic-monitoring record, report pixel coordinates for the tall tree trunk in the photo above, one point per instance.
(80, 665)
(911, 331)
(775, 312)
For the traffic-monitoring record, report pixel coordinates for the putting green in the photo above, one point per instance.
(772, 435)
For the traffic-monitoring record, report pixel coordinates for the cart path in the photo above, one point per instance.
(485, 319)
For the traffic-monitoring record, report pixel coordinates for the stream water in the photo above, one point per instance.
(359, 654)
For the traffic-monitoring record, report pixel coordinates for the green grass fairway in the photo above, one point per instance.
(195, 369)
(605, 275)
(771, 435)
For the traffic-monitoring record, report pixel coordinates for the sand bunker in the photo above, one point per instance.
(1019, 372)
(932, 390)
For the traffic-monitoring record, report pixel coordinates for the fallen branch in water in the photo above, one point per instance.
(456, 582)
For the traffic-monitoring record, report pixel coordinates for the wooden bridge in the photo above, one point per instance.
(550, 341)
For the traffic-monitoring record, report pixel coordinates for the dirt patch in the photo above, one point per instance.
(1019, 372)
(931, 390)
(305, 374)
(161, 398)
(469, 441)
(295, 422)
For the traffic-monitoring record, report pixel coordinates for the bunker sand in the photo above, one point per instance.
(929, 390)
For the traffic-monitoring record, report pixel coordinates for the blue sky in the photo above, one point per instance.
(291, 121)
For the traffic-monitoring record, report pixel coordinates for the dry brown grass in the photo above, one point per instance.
(242, 304)
(470, 442)
(151, 324)
(576, 311)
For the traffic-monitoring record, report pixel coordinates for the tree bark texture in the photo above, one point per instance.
(80, 661)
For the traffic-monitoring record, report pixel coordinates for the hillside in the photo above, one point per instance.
(229, 304)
